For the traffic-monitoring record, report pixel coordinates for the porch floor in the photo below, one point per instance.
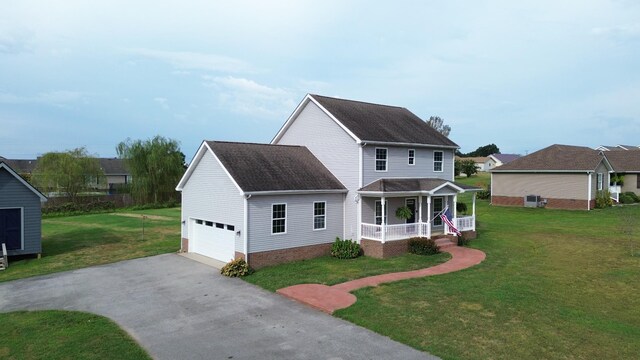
(332, 298)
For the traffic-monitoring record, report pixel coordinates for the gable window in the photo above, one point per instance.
(319, 215)
(437, 161)
(412, 157)
(378, 215)
(599, 181)
(381, 159)
(278, 218)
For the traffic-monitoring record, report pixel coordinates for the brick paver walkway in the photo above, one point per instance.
(332, 298)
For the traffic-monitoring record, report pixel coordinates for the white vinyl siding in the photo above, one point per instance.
(411, 158)
(210, 194)
(299, 230)
(278, 219)
(398, 166)
(381, 159)
(438, 159)
(319, 215)
(337, 150)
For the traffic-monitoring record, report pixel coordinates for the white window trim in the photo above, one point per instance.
(386, 210)
(600, 181)
(324, 216)
(409, 157)
(441, 161)
(386, 160)
(286, 209)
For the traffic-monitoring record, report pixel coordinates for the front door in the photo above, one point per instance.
(11, 228)
(438, 205)
(411, 204)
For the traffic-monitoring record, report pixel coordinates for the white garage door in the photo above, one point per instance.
(212, 239)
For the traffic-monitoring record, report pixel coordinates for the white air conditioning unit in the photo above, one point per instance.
(534, 201)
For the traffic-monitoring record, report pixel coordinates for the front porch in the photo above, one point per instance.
(421, 229)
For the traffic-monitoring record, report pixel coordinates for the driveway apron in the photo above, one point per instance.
(177, 308)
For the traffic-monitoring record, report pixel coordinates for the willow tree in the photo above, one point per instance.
(70, 173)
(156, 166)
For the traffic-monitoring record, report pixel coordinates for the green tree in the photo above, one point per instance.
(71, 172)
(437, 123)
(484, 151)
(468, 167)
(156, 166)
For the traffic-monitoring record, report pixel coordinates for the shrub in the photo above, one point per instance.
(629, 198)
(484, 194)
(461, 208)
(603, 199)
(345, 249)
(236, 268)
(423, 246)
(463, 241)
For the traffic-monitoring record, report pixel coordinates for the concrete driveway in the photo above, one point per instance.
(181, 309)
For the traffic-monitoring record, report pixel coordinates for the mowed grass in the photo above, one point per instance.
(330, 271)
(556, 284)
(74, 242)
(64, 335)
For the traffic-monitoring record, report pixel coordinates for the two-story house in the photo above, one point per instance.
(336, 168)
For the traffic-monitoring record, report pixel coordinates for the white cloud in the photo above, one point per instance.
(194, 60)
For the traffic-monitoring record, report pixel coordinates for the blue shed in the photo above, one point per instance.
(20, 213)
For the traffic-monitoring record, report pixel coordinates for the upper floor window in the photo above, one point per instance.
(381, 159)
(278, 218)
(437, 161)
(599, 181)
(412, 157)
(319, 215)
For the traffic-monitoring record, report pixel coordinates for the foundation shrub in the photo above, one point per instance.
(423, 246)
(603, 199)
(236, 268)
(345, 249)
(629, 198)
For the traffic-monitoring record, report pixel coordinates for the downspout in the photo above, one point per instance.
(246, 228)
(589, 192)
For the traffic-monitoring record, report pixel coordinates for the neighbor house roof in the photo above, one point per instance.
(505, 158)
(624, 161)
(264, 167)
(21, 166)
(408, 185)
(112, 166)
(476, 159)
(8, 168)
(561, 158)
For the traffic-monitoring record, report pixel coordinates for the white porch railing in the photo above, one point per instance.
(466, 223)
(371, 231)
(614, 192)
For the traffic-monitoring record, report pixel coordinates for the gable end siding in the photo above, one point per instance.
(547, 185)
(14, 194)
(398, 167)
(211, 195)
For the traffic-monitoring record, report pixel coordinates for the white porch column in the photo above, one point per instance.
(384, 222)
(429, 217)
(454, 212)
(420, 215)
(474, 211)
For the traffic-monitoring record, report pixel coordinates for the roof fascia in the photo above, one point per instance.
(543, 171)
(192, 165)
(23, 181)
(295, 192)
(374, 142)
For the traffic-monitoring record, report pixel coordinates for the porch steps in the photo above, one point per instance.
(445, 241)
(4, 261)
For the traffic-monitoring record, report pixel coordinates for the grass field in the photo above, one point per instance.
(556, 284)
(74, 242)
(64, 335)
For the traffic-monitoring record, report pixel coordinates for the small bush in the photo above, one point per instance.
(236, 268)
(461, 208)
(423, 246)
(629, 198)
(484, 194)
(603, 199)
(345, 249)
(463, 241)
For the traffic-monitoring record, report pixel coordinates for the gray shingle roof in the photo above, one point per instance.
(506, 158)
(411, 185)
(624, 161)
(556, 158)
(112, 166)
(382, 123)
(264, 167)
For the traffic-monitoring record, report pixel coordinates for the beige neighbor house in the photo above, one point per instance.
(559, 176)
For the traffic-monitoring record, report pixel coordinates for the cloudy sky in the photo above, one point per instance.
(520, 74)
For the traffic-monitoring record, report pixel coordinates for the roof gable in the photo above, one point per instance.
(265, 167)
(504, 158)
(556, 158)
(3, 165)
(624, 161)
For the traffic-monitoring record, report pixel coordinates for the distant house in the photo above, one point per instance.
(337, 168)
(480, 161)
(618, 147)
(20, 213)
(564, 176)
(495, 160)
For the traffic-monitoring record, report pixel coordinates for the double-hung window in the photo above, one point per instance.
(378, 216)
(437, 161)
(381, 159)
(412, 156)
(278, 218)
(319, 215)
(599, 181)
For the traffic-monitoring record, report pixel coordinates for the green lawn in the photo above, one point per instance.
(556, 284)
(74, 242)
(64, 335)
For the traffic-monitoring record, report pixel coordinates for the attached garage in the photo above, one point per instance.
(213, 239)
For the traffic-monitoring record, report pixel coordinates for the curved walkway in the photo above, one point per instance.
(332, 298)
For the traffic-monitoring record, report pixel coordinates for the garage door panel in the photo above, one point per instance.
(213, 240)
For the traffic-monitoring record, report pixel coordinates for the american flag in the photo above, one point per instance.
(445, 218)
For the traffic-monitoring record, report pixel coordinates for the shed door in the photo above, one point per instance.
(212, 239)
(11, 228)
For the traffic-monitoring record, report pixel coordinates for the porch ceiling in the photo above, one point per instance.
(413, 186)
